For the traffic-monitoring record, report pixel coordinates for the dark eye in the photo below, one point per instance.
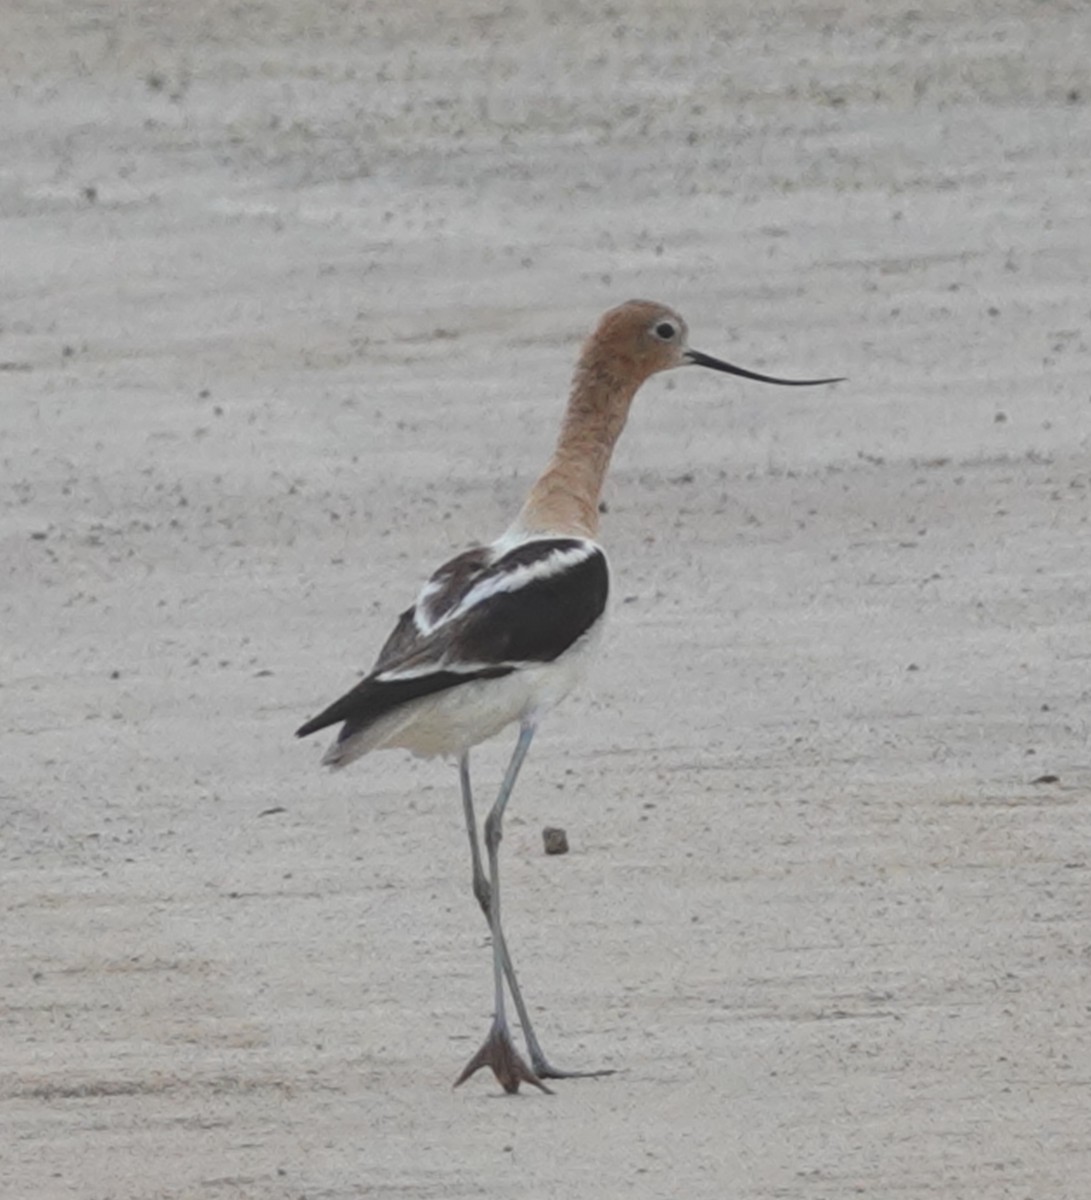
(666, 330)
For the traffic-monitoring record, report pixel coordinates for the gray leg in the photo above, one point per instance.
(498, 1051)
(484, 891)
(481, 884)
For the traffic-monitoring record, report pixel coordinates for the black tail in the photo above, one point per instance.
(371, 698)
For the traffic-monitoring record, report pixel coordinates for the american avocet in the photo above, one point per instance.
(501, 633)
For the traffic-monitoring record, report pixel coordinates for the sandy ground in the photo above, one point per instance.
(290, 297)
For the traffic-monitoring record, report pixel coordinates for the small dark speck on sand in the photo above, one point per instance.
(555, 840)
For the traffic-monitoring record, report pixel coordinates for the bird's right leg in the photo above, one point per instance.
(542, 1066)
(498, 1051)
(482, 892)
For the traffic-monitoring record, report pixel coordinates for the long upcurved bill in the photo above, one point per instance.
(706, 360)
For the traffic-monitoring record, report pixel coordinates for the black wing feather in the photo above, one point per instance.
(535, 623)
(371, 699)
(539, 621)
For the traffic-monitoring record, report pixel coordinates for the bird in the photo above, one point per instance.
(502, 632)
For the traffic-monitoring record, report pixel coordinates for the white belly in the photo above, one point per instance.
(451, 722)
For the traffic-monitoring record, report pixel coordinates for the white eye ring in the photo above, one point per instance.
(665, 331)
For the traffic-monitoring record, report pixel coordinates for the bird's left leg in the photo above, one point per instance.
(481, 884)
(542, 1067)
(482, 892)
(498, 1051)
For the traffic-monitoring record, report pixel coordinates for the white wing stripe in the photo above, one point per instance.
(522, 576)
(438, 667)
(421, 616)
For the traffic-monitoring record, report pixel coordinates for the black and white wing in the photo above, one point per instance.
(486, 613)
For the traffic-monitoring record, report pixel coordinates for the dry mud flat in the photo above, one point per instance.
(290, 297)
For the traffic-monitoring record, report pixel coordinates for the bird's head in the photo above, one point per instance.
(640, 338)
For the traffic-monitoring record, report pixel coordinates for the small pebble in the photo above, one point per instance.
(555, 840)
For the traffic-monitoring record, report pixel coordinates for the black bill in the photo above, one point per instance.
(706, 360)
